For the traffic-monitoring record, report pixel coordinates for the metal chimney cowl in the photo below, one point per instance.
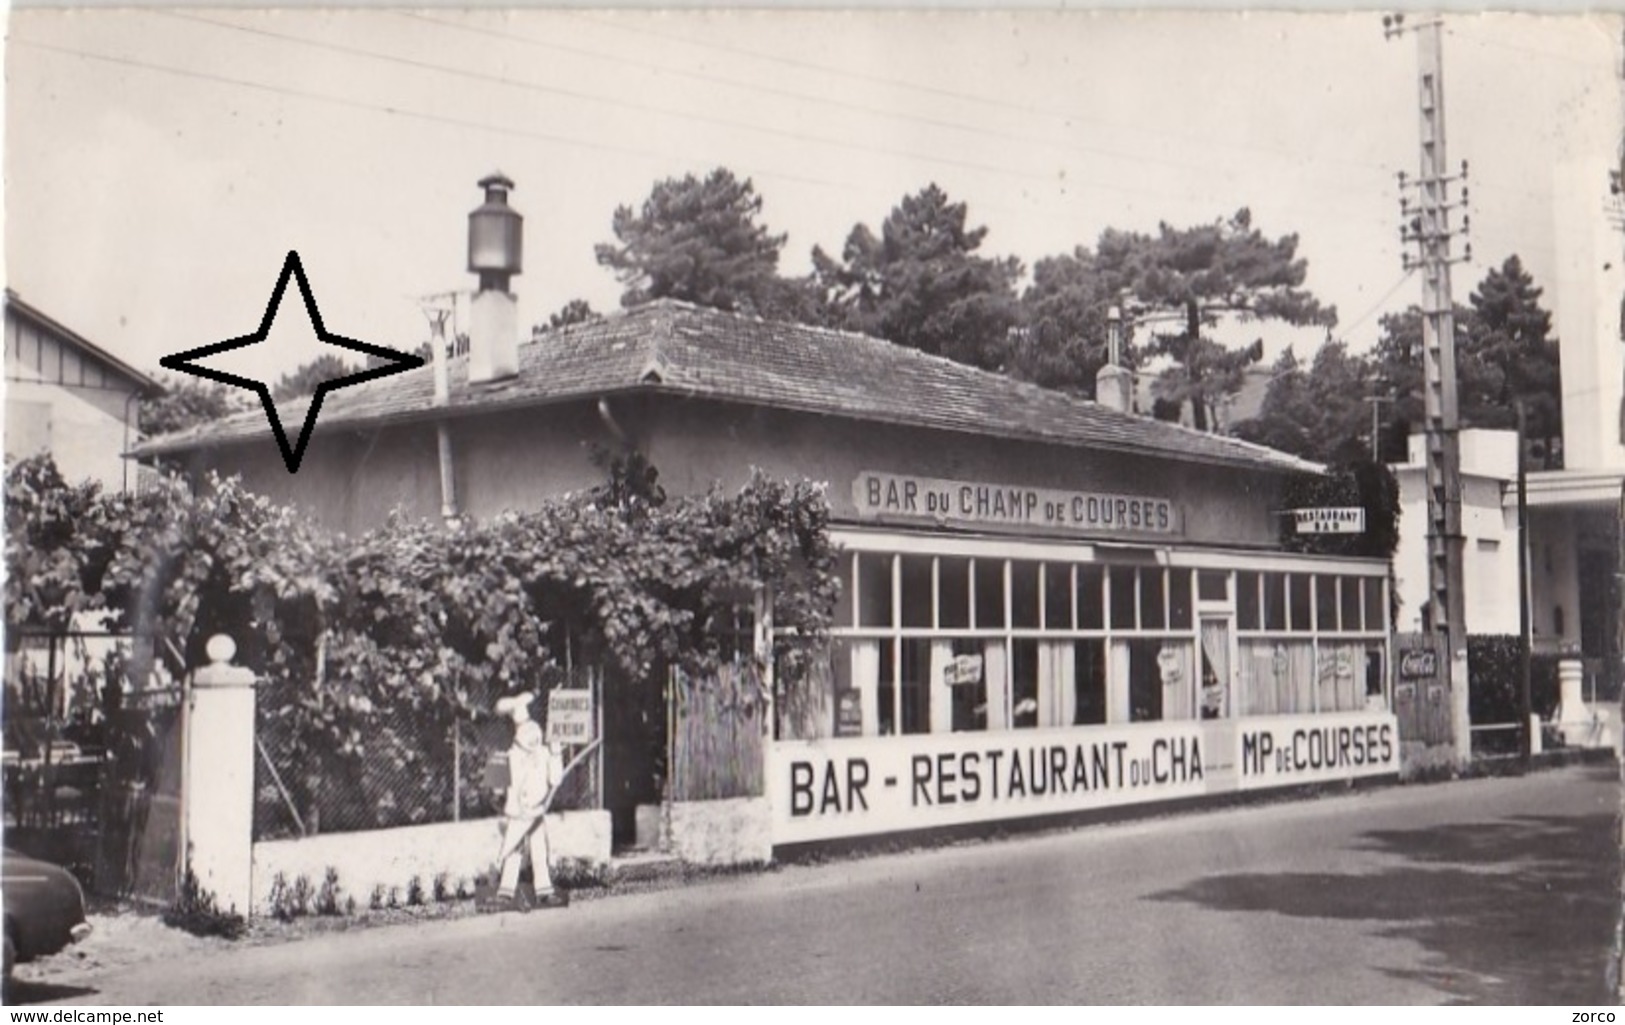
(495, 253)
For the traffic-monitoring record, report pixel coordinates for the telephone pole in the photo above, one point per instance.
(1428, 226)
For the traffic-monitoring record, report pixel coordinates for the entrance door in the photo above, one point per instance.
(1215, 699)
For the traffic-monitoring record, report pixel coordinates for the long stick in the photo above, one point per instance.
(548, 801)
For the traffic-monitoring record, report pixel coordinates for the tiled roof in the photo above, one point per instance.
(673, 347)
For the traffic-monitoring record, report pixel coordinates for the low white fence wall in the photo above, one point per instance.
(733, 831)
(390, 858)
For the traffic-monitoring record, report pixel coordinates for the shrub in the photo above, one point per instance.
(1494, 670)
(327, 898)
(195, 910)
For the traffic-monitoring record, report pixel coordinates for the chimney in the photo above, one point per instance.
(495, 254)
(1114, 384)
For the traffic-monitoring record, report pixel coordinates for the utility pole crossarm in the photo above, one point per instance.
(1428, 227)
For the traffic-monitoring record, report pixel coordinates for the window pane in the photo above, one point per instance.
(1179, 599)
(808, 690)
(1348, 601)
(970, 699)
(1276, 676)
(1024, 595)
(874, 590)
(1325, 602)
(954, 601)
(1024, 683)
(1089, 677)
(1152, 613)
(1057, 596)
(1213, 585)
(848, 701)
(1091, 600)
(1122, 581)
(916, 590)
(1159, 675)
(1298, 600)
(1340, 676)
(888, 688)
(1374, 618)
(1248, 614)
(917, 685)
(989, 593)
(1275, 601)
(843, 602)
(1214, 657)
(1374, 677)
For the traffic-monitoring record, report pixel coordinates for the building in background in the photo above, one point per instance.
(1489, 517)
(69, 397)
(1575, 513)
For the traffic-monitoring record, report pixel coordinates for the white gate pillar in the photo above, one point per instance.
(219, 778)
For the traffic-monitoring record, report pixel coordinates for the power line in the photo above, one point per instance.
(759, 88)
(622, 104)
(816, 140)
(1378, 305)
(961, 97)
(403, 112)
(669, 112)
(1469, 37)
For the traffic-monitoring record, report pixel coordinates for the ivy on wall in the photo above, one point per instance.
(1362, 483)
(416, 622)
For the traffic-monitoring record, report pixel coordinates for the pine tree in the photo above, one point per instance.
(920, 282)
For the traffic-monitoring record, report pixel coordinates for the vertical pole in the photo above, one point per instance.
(1525, 703)
(1443, 464)
(1376, 404)
(595, 680)
(219, 788)
(456, 769)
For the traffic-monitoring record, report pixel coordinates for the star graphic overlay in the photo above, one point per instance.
(397, 362)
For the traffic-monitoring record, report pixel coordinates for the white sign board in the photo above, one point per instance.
(857, 786)
(821, 789)
(890, 496)
(963, 670)
(1291, 749)
(1349, 520)
(569, 717)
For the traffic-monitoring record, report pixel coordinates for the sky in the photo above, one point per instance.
(160, 163)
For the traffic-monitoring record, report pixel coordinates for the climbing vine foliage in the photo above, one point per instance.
(419, 616)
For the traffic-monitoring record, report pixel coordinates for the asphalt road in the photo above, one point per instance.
(1486, 891)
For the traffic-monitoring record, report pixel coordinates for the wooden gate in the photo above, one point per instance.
(93, 760)
(1422, 688)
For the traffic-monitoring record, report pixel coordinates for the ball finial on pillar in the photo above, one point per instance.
(221, 649)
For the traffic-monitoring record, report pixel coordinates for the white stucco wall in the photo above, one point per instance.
(730, 832)
(1489, 518)
(83, 435)
(1586, 294)
(391, 857)
(1555, 580)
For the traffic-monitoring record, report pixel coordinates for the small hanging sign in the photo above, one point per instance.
(1332, 520)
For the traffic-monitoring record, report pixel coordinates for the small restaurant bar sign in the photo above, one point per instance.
(1349, 520)
(932, 499)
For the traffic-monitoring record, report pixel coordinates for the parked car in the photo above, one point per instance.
(44, 908)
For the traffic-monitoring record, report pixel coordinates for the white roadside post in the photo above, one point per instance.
(219, 783)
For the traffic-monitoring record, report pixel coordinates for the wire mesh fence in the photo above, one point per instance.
(409, 767)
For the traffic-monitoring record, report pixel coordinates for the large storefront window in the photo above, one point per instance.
(947, 643)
